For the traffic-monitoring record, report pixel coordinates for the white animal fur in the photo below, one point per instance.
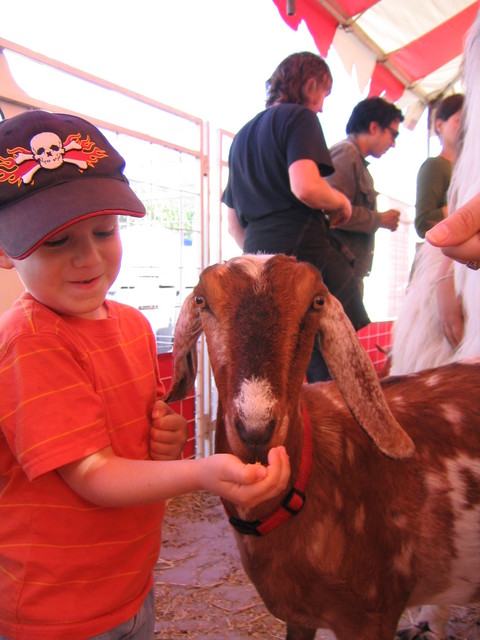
(418, 338)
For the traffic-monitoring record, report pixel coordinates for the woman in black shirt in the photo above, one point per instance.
(277, 198)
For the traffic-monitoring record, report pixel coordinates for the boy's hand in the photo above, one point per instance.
(247, 484)
(168, 433)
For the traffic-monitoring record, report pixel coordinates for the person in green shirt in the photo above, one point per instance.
(433, 179)
(432, 304)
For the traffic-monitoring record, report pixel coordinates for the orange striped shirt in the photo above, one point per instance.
(68, 388)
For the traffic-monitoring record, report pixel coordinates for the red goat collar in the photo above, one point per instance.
(294, 500)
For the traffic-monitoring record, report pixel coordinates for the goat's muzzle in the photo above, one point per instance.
(255, 442)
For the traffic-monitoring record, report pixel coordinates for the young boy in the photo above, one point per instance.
(81, 499)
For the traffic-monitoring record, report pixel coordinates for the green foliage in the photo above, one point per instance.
(168, 215)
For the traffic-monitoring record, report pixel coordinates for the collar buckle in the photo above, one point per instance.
(294, 501)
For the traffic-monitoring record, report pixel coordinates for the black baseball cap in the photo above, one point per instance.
(56, 169)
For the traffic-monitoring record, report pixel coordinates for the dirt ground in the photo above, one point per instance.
(202, 592)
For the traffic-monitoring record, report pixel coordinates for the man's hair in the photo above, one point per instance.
(288, 80)
(373, 110)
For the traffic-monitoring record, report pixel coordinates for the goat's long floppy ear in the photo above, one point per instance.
(357, 380)
(187, 332)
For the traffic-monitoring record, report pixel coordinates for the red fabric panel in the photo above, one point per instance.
(384, 81)
(320, 23)
(353, 7)
(185, 407)
(437, 47)
(376, 339)
(416, 60)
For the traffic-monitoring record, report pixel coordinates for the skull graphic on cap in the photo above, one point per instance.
(49, 151)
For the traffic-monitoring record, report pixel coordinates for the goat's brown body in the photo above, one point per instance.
(375, 534)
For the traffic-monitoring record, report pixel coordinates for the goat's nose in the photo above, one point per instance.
(254, 436)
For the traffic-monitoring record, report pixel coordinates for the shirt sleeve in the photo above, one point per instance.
(49, 411)
(350, 178)
(432, 187)
(305, 141)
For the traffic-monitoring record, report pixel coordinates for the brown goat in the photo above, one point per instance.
(389, 520)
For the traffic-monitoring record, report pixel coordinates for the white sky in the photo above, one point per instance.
(209, 58)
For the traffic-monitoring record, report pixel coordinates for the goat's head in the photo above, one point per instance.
(260, 315)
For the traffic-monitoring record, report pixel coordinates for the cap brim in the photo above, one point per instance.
(27, 223)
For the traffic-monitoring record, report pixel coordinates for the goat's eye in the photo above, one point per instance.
(318, 301)
(201, 302)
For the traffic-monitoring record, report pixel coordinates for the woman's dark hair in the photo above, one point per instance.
(288, 80)
(373, 110)
(450, 105)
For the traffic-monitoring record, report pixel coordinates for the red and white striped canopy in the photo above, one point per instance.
(409, 50)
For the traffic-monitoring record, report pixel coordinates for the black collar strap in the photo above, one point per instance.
(293, 501)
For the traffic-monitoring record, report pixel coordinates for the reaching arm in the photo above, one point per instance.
(353, 180)
(309, 187)
(110, 481)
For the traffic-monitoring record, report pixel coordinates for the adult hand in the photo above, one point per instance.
(340, 216)
(309, 187)
(459, 234)
(390, 219)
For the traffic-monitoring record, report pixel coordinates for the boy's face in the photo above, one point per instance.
(72, 272)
